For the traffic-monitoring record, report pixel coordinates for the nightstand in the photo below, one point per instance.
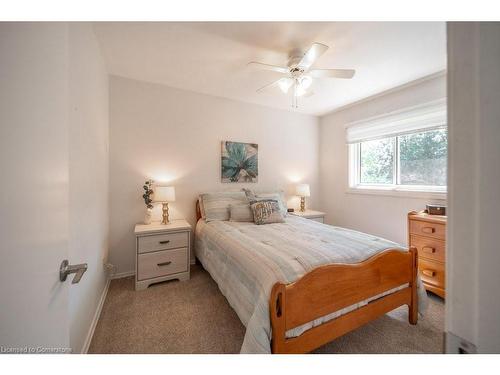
(162, 252)
(311, 215)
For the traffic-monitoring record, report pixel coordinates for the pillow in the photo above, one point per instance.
(240, 212)
(278, 196)
(216, 205)
(266, 211)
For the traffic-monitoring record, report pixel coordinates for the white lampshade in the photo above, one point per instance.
(164, 194)
(302, 190)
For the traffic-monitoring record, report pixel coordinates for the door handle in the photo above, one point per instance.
(66, 269)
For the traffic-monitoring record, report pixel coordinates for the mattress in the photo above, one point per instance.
(246, 260)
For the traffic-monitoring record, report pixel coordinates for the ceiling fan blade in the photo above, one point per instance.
(312, 54)
(262, 66)
(332, 73)
(275, 86)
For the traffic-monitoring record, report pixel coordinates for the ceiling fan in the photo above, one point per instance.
(298, 73)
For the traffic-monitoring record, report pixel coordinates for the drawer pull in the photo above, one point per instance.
(428, 250)
(164, 263)
(164, 242)
(429, 273)
(428, 229)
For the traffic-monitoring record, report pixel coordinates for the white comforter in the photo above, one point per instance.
(246, 260)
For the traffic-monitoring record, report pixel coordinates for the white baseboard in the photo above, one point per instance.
(121, 275)
(97, 314)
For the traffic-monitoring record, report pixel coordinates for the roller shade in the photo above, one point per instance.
(423, 117)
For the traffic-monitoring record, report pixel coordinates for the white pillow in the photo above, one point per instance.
(216, 205)
(240, 213)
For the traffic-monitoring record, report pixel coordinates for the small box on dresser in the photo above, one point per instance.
(162, 252)
(428, 234)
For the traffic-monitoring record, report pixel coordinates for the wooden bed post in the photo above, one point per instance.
(413, 306)
(277, 309)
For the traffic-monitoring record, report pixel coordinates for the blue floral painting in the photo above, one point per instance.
(239, 162)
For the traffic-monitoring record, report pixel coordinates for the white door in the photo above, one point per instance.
(33, 186)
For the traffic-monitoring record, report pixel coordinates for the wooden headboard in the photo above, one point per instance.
(198, 211)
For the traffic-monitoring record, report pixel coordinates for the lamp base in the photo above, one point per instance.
(165, 214)
(302, 204)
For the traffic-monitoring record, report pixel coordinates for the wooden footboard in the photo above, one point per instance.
(332, 287)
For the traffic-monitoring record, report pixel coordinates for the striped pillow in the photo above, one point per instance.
(240, 212)
(216, 205)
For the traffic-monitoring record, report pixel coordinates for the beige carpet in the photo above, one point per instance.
(194, 317)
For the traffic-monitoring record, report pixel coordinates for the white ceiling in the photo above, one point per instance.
(211, 57)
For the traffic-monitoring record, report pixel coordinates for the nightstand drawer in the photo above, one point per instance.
(429, 248)
(431, 272)
(162, 263)
(424, 228)
(166, 241)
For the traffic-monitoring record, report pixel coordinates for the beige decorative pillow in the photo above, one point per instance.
(241, 213)
(277, 195)
(266, 211)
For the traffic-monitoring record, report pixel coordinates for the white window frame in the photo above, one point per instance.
(415, 191)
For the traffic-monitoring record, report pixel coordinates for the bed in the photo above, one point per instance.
(300, 284)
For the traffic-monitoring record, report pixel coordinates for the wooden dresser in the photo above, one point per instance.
(428, 234)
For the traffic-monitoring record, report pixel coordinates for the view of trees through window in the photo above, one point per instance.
(377, 161)
(420, 158)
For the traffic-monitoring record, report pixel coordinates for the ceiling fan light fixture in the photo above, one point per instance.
(305, 82)
(285, 85)
(299, 75)
(300, 91)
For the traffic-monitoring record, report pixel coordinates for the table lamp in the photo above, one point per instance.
(163, 195)
(303, 191)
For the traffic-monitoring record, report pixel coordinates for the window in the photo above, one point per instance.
(422, 158)
(377, 161)
(402, 151)
(416, 159)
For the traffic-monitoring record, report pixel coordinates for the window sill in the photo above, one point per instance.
(398, 192)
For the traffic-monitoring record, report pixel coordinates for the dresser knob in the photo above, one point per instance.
(428, 229)
(164, 263)
(428, 250)
(429, 273)
(164, 242)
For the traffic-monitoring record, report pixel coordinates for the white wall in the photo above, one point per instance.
(473, 256)
(175, 136)
(88, 177)
(384, 216)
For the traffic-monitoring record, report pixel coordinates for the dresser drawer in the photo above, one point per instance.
(431, 272)
(429, 248)
(162, 242)
(424, 228)
(162, 263)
